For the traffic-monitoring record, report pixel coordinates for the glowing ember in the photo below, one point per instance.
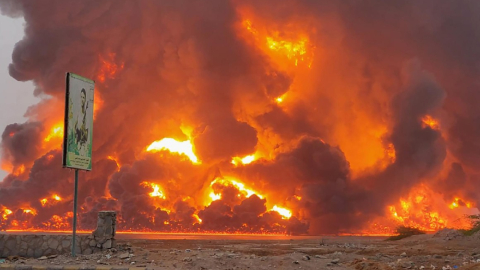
(56, 132)
(157, 192)
(174, 146)
(285, 213)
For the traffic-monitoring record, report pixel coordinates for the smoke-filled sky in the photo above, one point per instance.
(15, 96)
(303, 116)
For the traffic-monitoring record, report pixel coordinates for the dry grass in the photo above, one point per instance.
(404, 232)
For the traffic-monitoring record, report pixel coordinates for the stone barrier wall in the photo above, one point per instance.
(34, 245)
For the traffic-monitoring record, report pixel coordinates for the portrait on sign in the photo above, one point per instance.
(77, 152)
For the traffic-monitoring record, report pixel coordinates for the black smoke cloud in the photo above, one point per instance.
(21, 143)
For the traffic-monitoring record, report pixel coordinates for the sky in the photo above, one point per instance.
(15, 96)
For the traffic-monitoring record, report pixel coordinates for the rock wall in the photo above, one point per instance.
(104, 235)
(34, 245)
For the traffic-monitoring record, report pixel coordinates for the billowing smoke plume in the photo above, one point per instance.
(344, 109)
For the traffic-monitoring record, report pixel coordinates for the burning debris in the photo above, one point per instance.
(234, 117)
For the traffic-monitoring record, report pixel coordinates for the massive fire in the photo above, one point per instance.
(287, 120)
(421, 209)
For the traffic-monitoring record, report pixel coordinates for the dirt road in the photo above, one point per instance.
(444, 250)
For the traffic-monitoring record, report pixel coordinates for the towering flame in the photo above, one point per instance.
(301, 117)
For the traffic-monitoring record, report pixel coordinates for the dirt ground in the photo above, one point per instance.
(445, 250)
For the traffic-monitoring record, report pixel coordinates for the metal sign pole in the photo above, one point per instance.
(75, 212)
(78, 132)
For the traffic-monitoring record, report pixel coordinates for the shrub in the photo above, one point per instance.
(404, 232)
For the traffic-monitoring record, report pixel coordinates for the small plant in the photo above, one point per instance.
(475, 219)
(404, 232)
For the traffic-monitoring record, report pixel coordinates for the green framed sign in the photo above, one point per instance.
(78, 127)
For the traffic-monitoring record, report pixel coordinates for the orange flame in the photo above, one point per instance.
(6, 213)
(296, 48)
(109, 68)
(427, 211)
(174, 146)
(230, 182)
(30, 211)
(157, 192)
(197, 218)
(54, 199)
(18, 170)
(284, 212)
(281, 98)
(57, 222)
(56, 132)
(390, 151)
(97, 103)
(429, 121)
(245, 160)
(458, 203)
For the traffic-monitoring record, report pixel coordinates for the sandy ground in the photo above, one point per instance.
(444, 250)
